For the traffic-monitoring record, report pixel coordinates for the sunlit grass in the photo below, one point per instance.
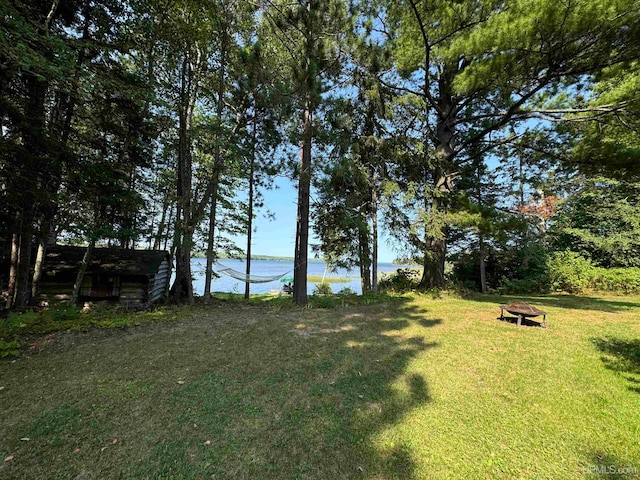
(404, 387)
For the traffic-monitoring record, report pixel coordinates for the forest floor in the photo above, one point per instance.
(413, 387)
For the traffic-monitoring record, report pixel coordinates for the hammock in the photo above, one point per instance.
(243, 277)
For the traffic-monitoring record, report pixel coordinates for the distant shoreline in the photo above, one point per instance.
(256, 257)
(281, 259)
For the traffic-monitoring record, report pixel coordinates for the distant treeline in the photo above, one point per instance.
(224, 256)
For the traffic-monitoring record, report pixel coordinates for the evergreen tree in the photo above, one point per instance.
(308, 36)
(479, 66)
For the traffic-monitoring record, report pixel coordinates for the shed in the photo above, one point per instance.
(130, 277)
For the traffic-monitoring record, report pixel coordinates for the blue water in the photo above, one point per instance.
(271, 268)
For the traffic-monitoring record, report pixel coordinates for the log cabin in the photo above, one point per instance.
(136, 278)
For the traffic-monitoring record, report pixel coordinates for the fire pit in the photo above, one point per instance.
(523, 311)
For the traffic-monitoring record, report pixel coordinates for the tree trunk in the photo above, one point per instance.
(37, 269)
(163, 222)
(166, 235)
(211, 240)
(483, 274)
(75, 295)
(247, 289)
(433, 275)
(483, 265)
(62, 117)
(13, 266)
(23, 284)
(365, 261)
(35, 155)
(302, 230)
(374, 232)
(217, 167)
(182, 288)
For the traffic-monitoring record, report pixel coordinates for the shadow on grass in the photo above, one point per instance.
(428, 323)
(574, 302)
(602, 465)
(294, 393)
(622, 356)
(310, 403)
(243, 390)
(526, 322)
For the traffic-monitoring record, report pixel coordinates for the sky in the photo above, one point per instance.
(277, 236)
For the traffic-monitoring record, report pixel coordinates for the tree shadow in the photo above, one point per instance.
(428, 323)
(573, 302)
(621, 356)
(311, 405)
(253, 392)
(602, 465)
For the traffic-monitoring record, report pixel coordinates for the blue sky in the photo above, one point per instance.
(277, 237)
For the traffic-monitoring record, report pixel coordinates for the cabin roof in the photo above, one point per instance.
(112, 261)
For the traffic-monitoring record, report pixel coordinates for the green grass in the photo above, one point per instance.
(411, 387)
(64, 317)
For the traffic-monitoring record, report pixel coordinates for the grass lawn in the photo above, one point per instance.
(410, 388)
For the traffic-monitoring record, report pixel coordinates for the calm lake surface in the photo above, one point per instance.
(270, 268)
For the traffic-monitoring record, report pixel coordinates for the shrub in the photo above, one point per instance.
(322, 289)
(346, 291)
(621, 280)
(508, 270)
(58, 317)
(63, 312)
(570, 272)
(403, 280)
(324, 301)
(536, 284)
(9, 349)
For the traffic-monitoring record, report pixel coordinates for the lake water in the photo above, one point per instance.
(271, 268)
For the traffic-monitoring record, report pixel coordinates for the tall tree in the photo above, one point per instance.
(189, 74)
(346, 210)
(309, 35)
(50, 48)
(482, 65)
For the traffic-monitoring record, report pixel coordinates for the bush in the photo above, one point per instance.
(346, 291)
(508, 270)
(403, 280)
(570, 272)
(536, 284)
(322, 289)
(58, 317)
(528, 270)
(9, 349)
(621, 280)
